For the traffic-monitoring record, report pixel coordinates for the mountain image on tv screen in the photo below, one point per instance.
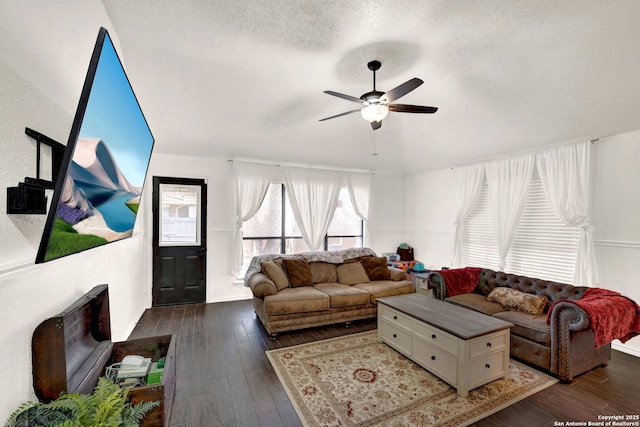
(98, 199)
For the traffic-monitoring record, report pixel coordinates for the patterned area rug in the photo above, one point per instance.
(358, 381)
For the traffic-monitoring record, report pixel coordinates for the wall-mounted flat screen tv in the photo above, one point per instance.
(99, 186)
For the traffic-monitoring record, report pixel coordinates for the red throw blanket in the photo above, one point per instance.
(460, 280)
(611, 315)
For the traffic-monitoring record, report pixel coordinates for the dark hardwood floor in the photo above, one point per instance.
(225, 379)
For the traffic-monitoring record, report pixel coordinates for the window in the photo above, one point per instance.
(274, 229)
(180, 215)
(543, 246)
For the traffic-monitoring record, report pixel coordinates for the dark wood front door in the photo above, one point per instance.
(179, 240)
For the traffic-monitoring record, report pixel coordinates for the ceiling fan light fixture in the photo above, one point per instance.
(374, 112)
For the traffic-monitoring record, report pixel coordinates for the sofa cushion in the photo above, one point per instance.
(517, 300)
(275, 272)
(298, 271)
(352, 273)
(386, 288)
(476, 302)
(303, 299)
(397, 275)
(323, 272)
(376, 268)
(343, 295)
(529, 326)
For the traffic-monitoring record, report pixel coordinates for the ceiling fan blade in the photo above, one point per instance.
(338, 115)
(401, 90)
(376, 125)
(343, 96)
(404, 108)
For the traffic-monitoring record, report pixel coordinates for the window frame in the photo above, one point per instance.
(284, 237)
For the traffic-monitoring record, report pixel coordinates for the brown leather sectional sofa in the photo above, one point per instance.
(565, 347)
(321, 288)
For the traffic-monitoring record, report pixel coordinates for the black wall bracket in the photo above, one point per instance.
(28, 197)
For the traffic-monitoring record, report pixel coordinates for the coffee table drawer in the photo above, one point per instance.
(488, 344)
(486, 369)
(435, 360)
(395, 317)
(436, 337)
(395, 336)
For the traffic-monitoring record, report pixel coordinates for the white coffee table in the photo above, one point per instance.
(464, 348)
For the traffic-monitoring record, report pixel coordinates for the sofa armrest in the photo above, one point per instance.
(437, 285)
(397, 275)
(569, 316)
(567, 319)
(261, 285)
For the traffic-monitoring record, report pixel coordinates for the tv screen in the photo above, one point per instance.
(98, 189)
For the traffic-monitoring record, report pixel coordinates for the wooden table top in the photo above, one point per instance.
(462, 322)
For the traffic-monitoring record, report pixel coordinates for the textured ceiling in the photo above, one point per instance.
(244, 78)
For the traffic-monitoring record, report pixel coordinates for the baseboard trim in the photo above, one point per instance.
(229, 299)
(625, 349)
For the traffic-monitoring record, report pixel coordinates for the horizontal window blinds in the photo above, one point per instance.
(543, 246)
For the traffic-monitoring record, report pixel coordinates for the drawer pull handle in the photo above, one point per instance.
(395, 317)
(433, 336)
(487, 366)
(488, 344)
(433, 358)
(395, 336)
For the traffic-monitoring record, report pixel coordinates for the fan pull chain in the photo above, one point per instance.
(373, 140)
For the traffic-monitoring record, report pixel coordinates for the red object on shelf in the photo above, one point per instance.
(402, 265)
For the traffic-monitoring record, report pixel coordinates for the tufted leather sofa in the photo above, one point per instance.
(565, 347)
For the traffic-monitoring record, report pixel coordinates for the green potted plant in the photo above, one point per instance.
(107, 406)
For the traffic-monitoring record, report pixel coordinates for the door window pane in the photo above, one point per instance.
(180, 215)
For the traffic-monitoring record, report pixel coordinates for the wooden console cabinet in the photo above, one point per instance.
(71, 350)
(464, 348)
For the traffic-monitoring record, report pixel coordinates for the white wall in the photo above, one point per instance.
(615, 201)
(431, 211)
(41, 76)
(387, 220)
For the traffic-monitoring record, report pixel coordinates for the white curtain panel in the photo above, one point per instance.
(251, 182)
(564, 173)
(470, 179)
(313, 195)
(508, 180)
(359, 185)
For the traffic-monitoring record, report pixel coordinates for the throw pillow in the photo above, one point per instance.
(352, 273)
(517, 300)
(376, 268)
(323, 272)
(298, 271)
(275, 272)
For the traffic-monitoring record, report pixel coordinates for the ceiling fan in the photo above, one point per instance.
(376, 105)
